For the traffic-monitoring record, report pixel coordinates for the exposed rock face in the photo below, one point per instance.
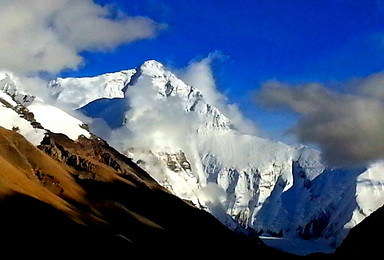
(92, 158)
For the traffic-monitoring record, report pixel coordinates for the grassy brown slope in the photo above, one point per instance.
(105, 204)
(26, 170)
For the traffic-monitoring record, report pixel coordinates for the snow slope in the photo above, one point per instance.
(57, 121)
(11, 120)
(249, 183)
(31, 116)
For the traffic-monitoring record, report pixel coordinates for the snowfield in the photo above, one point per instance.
(57, 121)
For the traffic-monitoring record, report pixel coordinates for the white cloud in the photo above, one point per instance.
(39, 35)
(199, 74)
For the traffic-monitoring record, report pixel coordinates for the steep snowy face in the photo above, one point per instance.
(242, 167)
(248, 183)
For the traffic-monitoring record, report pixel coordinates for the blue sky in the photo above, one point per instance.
(289, 41)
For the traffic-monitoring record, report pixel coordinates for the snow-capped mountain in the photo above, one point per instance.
(192, 148)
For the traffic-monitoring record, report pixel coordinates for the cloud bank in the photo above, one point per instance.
(48, 36)
(349, 127)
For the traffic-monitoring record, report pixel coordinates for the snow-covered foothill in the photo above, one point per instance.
(17, 103)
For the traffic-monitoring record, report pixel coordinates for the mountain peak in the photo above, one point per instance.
(152, 68)
(154, 63)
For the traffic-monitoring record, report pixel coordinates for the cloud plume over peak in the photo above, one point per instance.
(49, 35)
(349, 127)
(199, 74)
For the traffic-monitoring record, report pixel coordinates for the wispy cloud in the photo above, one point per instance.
(200, 75)
(349, 127)
(48, 36)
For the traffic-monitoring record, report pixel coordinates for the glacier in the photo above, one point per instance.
(251, 184)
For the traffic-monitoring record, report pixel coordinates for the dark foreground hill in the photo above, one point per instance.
(366, 239)
(83, 198)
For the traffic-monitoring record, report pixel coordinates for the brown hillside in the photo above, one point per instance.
(26, 170)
